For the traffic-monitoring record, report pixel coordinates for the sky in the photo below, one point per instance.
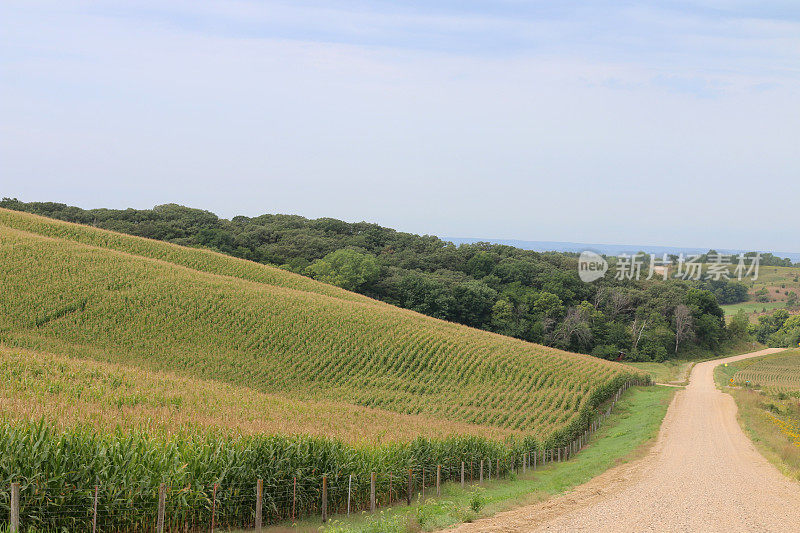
(664, 123)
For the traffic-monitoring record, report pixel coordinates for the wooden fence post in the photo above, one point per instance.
(15, 508)
(481, 476)
(94, 509)
(324, 499)
(162, 500)
(409, 485)
(259, 500)
(213, 508)
(294, 497)
(349, 488)
(438, 479)
(462, 474)
(372, 492)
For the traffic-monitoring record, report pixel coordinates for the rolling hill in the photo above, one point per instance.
(83, 292)
(169, 345)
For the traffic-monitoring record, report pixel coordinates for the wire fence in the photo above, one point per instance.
(45, 507)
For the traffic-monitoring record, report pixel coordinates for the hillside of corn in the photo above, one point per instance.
(68, 392)
(536, 297)
(775, 373)
(127, 363)
(82, 292)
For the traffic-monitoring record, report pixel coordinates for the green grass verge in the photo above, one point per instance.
(677, 370)
(723, 374)
(633, 424)
(665, 372)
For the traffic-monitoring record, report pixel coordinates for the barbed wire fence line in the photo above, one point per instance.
(221, 506)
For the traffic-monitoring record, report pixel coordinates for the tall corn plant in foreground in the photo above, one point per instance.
(58, 473)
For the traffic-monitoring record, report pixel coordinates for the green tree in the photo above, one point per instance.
(548, 305)
(475, 300)
(481, 264)
(708, 317)
(738, 326)
(503, 317)
(788, 335)
(347, 268)
(683, 325)
(792, 300)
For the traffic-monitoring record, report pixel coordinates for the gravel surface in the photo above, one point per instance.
(703, 474)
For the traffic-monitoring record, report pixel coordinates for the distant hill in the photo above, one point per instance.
(611, 249)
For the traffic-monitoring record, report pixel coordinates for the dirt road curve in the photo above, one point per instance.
(703, 474)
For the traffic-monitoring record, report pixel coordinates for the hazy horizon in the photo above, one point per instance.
(520, 242)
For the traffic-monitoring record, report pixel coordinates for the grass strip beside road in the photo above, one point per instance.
(676, 371)
(629, 430)
(669, 371)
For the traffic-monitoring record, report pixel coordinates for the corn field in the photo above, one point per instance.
(65, 297)
(67, 392)
(58, 471)
(168, 319)
(777, 372)
(80, 479)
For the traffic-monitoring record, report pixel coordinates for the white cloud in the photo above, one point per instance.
(636, 125)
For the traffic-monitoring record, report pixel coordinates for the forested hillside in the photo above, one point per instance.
(529, 295)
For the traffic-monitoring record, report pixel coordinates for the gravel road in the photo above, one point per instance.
(703, 474)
